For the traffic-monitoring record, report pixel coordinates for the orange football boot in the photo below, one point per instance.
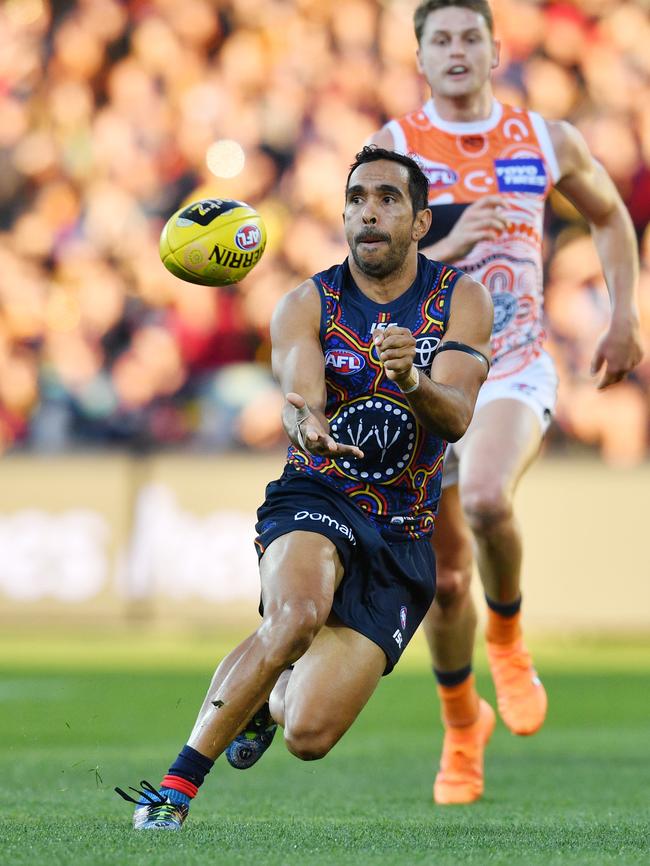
(460, 778)
(521, 698)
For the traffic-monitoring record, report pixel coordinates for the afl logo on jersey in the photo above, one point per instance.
(248, 237)
(520, 175)
(438, 174)
(344, 362)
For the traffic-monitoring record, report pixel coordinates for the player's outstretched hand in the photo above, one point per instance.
(619, 351)
(483, 220)
(311, 434)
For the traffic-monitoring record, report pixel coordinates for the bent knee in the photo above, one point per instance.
(309, 744)
(452, 585)
(289, 629)
(486, 509)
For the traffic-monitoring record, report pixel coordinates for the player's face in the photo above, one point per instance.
(456, 52)
(378, 217)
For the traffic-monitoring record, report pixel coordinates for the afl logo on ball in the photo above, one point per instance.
(248, 237)
(344, 362)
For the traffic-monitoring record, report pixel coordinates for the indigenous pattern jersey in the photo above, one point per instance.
(397, 483)
(510, 154)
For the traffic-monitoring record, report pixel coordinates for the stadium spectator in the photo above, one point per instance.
(106, 112)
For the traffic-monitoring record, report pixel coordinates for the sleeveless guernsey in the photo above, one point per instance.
(397, 483)
(510, 153)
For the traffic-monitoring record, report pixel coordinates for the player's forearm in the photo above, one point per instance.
(616, 244)
(303, 376)
(441, 409)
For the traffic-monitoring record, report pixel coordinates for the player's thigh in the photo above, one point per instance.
(300, 568)
(503, 439)
(331, 683)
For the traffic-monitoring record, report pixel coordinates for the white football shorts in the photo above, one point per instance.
(535, 385)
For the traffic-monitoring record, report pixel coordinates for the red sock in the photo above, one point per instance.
(177, 783)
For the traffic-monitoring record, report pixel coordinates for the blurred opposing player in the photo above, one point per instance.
(490, 169)
(346, 564)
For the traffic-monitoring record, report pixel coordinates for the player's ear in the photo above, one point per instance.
(421, 224)
(419, 62)
(496, 53)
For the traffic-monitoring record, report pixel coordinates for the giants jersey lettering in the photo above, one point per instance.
(397, 483)
(509, 154)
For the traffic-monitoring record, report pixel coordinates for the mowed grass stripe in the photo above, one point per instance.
(575, 793)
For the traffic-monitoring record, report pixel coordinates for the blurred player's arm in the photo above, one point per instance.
(299, 367)
(444, 404)
(586, 184)
(482, 220)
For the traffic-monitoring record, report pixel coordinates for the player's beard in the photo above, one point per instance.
(389, 264)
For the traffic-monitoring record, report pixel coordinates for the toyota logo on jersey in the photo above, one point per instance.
(425, 349)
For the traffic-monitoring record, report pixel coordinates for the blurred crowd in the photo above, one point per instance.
(107, 110)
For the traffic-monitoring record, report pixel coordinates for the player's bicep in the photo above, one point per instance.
(297, 355)
(583, 180)
(470, 328)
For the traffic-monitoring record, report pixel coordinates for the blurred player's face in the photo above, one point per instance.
(456, 52)
(379, 223)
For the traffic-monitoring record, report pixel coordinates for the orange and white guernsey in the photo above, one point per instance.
(509, 153)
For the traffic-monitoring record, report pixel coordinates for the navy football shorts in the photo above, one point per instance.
(387, 586)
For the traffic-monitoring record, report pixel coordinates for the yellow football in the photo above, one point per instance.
(214, 242)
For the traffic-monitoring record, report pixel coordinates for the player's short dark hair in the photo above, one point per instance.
(424, 9)
(418, 183)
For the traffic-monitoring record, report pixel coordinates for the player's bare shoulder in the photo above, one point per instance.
(472, 302)
(382, 138)
(570, 148)
(300, 307)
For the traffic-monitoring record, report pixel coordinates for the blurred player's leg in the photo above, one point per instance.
(449, 627)
(502, 441)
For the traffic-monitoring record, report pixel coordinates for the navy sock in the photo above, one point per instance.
(508, 609)
(191, 765)
(452, 678)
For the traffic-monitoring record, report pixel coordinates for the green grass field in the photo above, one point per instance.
(81, 715)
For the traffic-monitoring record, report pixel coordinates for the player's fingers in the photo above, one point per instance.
(610, 378)
(296, 400)
(396, 349)
(352, 450)
(487, 201)
(597, 362)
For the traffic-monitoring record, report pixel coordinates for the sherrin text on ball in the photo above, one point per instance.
(214, 241)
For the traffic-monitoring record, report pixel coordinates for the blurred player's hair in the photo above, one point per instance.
(424, 9)
(418, 183)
